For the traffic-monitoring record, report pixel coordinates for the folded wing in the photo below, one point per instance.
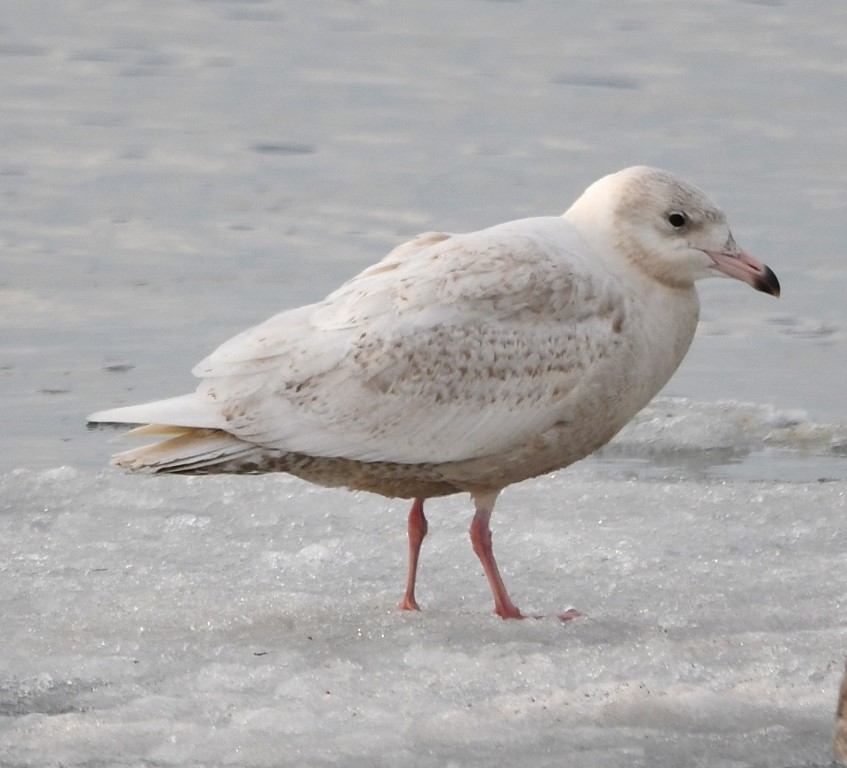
(452, 347)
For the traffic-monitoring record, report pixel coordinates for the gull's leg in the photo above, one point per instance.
(840, 741)
(417, 531)
(481, 540)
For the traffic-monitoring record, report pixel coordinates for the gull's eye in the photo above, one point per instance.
(677, 219)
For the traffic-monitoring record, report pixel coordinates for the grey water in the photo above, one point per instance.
(172, 174)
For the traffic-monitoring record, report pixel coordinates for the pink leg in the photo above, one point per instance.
(417, 531)
(481, 540)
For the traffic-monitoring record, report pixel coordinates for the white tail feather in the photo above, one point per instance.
(184, 411)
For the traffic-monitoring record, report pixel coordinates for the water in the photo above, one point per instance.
(174, 174)
(171, 173)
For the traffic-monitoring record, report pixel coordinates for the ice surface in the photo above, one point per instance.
(675, 436)
(249, 621)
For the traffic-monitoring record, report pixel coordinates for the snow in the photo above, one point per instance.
(249, 621)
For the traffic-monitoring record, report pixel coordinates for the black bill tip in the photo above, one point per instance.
(767, 282)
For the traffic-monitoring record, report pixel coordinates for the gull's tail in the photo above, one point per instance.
(195, 442)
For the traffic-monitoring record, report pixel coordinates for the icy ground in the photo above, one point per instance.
(249, 621)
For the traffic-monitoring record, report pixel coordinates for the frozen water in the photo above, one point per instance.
(249, 621)
(730, 440)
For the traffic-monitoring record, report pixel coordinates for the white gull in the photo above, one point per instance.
(462, 362)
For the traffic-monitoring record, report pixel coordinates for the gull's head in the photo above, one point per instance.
(666, 227)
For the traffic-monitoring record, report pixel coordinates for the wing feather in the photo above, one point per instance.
(452, 347)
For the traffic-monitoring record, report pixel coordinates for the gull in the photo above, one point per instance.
(462, 362)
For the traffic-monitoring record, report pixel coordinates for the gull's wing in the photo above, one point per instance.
(452, 347)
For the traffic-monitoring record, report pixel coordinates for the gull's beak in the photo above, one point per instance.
(742, 266)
